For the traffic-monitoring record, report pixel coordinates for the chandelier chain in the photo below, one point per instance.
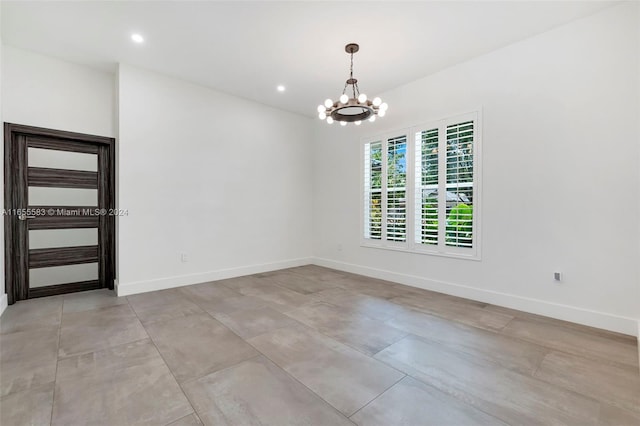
(354, 86)
(351, 68)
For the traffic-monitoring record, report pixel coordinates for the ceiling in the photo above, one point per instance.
(248, 48)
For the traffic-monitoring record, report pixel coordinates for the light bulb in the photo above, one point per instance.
(384, 106)
(362, 98)
(329, 120)
(328, 103)
(377, 101)
(322, 115)
(357, 123)
(372, 119)
(381, 113)
(344, 99)
(343, 123)
(321, 108)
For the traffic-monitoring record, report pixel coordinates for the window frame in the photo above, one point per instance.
(411, 243)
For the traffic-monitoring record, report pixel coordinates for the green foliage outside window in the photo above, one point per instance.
(460, 226)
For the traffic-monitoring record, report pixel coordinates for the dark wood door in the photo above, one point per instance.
(59, 212)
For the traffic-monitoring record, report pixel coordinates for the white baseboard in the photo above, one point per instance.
(126, 289)
(620, 324)
(3, 303)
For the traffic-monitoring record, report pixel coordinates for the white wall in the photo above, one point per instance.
(47, 92)
(3, 294)
(560, 181)
(224, 180)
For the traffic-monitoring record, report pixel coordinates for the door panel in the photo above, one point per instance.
(41, 277)
(48, 238)
(57, 178)
(56, 159)
(42, 196)
(60, 256)
(59, 187)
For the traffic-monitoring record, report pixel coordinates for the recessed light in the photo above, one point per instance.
(281, 88)
(137, 38)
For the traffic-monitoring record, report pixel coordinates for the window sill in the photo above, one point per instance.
(473, 257)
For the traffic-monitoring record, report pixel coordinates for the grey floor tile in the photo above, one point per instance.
(364, 334)
(624, 338)
(300, 283)
(30, 314)
(240, 282)
(31, 407)
(512, 397)
(408, 291)
(411, 402)
(368, 286)
(89, 331)
(257, 392)
(28, 359)
(317, 272)
(342, 376)
(511, 353)
(207, 294)
(163, 305)
(190, 420)
(615, 385)
(574, 341)
(231, 305)
(196, 345)
(457, 310)
(361, 304)
(279, 298)
(124, 385)
(88, 300)
(615, 416)
(253, 322)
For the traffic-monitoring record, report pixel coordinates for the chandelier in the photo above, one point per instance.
(352, 106)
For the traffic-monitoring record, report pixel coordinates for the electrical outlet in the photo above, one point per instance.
(557, 276)
(184, 257)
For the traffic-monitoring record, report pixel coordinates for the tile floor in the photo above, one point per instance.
(306, 346)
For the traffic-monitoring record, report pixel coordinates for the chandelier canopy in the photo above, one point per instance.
(352, 106)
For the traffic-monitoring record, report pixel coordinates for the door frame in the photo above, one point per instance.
(16, 231)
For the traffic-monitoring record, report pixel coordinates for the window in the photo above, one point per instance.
(432, 206)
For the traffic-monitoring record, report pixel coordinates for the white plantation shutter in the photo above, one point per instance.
(426, 200)
(460, 191)
(373, 190)
(445, 186)
(396, 189)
